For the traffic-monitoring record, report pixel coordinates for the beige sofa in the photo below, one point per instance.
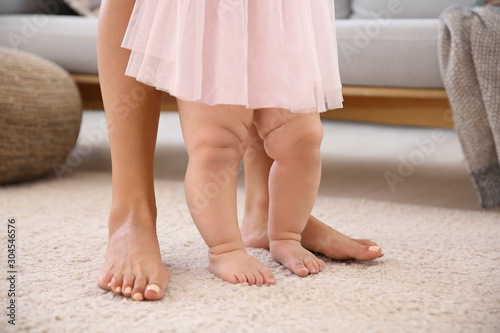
(387, 55)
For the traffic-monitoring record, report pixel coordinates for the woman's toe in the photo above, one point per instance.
(104, 281)
(116, 283)
(369, 253)
(128, 284)
(156, 286)
(138, 290)
(153, 291)
(364, 252)
(365, 242)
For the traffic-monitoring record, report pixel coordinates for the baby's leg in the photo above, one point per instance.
(293, 142)
(133, 265)
(216, 139)
(317, 236)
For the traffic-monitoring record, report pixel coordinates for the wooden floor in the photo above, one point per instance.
(394, 106)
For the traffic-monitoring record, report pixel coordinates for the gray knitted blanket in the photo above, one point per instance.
(469, 55)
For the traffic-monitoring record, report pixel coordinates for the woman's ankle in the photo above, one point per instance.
(139, 212)
(256, 209)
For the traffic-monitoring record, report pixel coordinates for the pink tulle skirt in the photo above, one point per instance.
(257, 53)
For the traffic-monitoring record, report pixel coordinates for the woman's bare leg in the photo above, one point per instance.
(216, 139)
(316, 236)
(257, 166)
(132, 265)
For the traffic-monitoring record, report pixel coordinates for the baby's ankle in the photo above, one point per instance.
(284, 236)
(224, 248)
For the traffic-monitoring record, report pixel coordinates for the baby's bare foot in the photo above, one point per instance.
(132, 266)
(237, 266)
(293, 256)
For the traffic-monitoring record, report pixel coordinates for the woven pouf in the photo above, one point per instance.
(40, 116)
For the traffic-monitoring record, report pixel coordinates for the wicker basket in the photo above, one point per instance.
(40, 116)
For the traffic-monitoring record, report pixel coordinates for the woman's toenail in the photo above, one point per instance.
(118, 290)
(374, 248)
(138, 297)
(153, 287)
(128, 291)
(245, 283)
(382, 252)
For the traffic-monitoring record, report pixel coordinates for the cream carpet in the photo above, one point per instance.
(441, 271)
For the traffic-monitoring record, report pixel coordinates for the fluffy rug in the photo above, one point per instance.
(441, 271)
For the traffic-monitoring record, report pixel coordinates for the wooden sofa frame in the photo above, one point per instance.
(393, 106)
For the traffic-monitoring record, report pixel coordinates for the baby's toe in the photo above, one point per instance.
(298, 267)
(259, 279)
(138, 290)
(312, 265)
(231, 279)
(267, 275)
(241, 278)
(250, 278)
(321, 264)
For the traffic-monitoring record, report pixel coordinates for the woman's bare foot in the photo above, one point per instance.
(132, 266)
(293, 256)
(237, 266)
(317, 237)
(322, 238)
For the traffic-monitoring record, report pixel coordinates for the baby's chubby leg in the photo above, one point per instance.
(293, 142)
(317, 236)
(216, 139)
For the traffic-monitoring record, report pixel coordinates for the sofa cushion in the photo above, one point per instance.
(401, 53)
(69, 41)
(342, 9)
(402, 8)
(18, 6)
(85, 7)
(57, 7)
